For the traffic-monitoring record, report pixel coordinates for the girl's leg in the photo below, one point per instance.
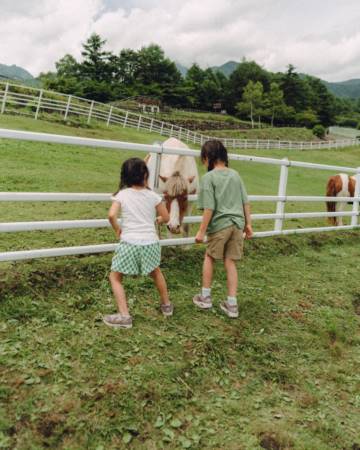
(232, 276)
(160, 283)
(208, 270)
(119, 292)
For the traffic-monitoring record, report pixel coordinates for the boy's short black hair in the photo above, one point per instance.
(212, 151)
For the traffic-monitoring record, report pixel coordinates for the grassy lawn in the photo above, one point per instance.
(285, 375)
(276, 133)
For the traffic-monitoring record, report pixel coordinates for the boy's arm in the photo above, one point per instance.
(207, 215)
(113, 218)
(248, 227)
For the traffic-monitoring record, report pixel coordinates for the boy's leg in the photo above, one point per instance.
(161, 285)
(208, 270)
(119, 292)
(230, 305)
(203, 300)
(231, 276)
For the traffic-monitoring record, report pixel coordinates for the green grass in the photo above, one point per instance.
(285, 375)
(200, 116)
(276, 133)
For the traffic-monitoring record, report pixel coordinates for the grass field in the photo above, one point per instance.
(285, 375)
(276, 133)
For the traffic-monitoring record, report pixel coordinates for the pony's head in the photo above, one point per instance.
(176, 191)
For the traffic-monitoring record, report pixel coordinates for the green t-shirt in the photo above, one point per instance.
(223, 191)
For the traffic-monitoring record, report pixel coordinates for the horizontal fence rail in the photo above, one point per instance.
(38, 103)
(278, 217)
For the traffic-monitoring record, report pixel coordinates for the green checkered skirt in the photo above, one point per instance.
(131, 259)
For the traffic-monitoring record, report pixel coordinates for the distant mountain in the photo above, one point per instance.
(14, 73)
(182, 69)
(345, 89)
(227, 69)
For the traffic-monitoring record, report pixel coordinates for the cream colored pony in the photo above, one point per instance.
(178, 178)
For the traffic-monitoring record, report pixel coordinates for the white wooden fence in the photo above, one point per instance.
(36, 103)
(277, 217)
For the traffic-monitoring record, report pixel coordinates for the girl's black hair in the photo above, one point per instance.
(214, 150)
(134, 172)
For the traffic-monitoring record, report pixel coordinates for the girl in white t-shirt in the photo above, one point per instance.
(138, 252)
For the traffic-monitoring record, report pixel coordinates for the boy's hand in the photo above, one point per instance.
(248, 232)
(118, 233)
(199, 238)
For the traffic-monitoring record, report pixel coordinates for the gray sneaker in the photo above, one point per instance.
(202, 302)
(167, 310)
(117, 321)
(230, 310)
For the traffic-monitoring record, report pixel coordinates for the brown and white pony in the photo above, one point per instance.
(178, 178)
(341, 185)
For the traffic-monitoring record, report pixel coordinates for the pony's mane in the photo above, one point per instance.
(176, 185)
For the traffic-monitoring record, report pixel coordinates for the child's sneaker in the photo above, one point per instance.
(117, 321)
(167, 310)
(202, 302)
(230, 310)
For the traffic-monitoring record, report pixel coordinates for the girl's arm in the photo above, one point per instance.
(248, 227)
(162, 214)
(207, 215)
(113, 218)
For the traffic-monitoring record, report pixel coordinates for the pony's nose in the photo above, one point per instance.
(174, 230)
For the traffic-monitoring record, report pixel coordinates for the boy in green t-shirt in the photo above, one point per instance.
(226, 217)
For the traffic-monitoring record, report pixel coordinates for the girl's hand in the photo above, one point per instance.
(118, 233)
(159, 220)
(200, 236)
(248, 232)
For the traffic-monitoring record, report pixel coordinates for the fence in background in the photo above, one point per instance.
(36, 103)
(278, 217)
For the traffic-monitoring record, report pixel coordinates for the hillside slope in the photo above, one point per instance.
(15, 72)
(345, 89)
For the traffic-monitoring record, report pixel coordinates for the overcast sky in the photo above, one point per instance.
(320, 37)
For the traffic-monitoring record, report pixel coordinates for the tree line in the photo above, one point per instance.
(251, 92)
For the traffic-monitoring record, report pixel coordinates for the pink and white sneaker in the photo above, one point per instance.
(202, 302)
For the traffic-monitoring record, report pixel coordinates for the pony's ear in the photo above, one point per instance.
(191, 179)
(163, 179)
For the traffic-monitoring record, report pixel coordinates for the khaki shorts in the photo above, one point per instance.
(226, 243)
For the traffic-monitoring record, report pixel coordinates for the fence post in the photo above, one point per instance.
(151, 124)
(4, 98)
(355, 208)
(109, 116)
(126, 118)
(154, 170)
(90, 111)
(280, 205)
(39, 104)
(67, 107)
(162, 127)
(171, 130)
(139, 122)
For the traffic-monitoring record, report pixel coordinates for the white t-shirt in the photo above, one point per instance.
(138, 215)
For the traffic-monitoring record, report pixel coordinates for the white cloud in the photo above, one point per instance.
(36, 38)
(320, 37)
